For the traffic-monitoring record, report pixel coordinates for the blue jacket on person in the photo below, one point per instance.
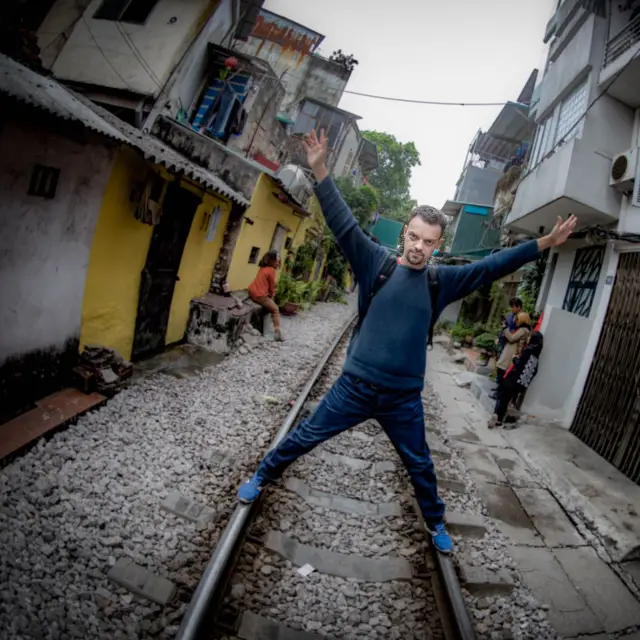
(390, 348)
(512, 324)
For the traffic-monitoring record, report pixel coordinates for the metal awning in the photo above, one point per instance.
(452, 207)
(508, 131)
(324, 105)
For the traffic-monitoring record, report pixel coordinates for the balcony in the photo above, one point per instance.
(621, 70)
(574, 180)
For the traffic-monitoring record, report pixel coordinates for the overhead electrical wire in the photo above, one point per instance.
(104, 55)
(439, 103)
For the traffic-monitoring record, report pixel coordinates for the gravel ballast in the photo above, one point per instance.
(326, 604)
(75, 504)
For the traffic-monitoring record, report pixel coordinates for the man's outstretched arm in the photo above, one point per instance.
(366, 257)
(458, 282)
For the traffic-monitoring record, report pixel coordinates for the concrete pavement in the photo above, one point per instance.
(540, 486)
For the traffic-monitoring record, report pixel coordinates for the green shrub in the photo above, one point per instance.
(460, 331)
(443, 326)
(485, 341)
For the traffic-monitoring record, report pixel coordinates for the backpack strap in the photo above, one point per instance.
(434, 293)
(386, 272)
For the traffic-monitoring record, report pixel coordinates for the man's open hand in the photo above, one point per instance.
(316, 149)
(559, 234)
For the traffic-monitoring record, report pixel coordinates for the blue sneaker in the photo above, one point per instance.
(250, 490)
(441, 540)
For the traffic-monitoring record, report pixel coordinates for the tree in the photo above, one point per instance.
(391, 178)
(363, 201)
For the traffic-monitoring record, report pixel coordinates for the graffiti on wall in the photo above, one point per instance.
(289, 35)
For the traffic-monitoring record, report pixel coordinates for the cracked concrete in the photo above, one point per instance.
(541, 486)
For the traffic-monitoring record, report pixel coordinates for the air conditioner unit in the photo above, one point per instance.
(623, 170)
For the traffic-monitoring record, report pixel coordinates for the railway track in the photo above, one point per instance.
(336, 549)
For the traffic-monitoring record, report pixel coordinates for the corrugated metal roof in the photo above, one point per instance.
(42, 92)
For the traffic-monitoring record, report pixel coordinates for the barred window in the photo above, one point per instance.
(584, 281)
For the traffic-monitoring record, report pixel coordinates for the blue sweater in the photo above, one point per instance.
(390, 349)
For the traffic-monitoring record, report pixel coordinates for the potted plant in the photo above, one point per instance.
(289, 294)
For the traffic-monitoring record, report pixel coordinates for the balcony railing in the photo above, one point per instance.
(621, 43)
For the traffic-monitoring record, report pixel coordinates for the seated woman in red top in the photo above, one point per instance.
(263, 288)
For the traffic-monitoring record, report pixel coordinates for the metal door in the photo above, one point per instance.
(160, 272)
(608, 416)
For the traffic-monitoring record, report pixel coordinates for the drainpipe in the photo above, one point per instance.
(635, 136)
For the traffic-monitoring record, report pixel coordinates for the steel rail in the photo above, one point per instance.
(208, 592)
(459, 614)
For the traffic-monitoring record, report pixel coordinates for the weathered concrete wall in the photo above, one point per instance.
(44, 253)
(289, 48)
(262, 133)
(285, 45)
(238, 174)
(185, 90)
(121, 55)
(325, 81)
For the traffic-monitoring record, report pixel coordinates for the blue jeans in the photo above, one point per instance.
(349, 402)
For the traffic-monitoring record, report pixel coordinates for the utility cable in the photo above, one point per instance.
(104, 55)
(143, 63)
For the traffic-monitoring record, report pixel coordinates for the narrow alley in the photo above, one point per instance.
(319, 320)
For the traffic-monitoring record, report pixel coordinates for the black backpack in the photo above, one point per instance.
(385, 273)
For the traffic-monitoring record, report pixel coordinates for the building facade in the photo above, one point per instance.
(583, 161)
(108, 235)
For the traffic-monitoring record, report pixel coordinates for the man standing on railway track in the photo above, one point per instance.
(384, 371)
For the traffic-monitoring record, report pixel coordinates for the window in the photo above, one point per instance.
(348, 163)
(584, 281)
(542, 143)
(571, 111)
(133, 11)
(279, 235)
(563, 123)
(253, 256)
(44, 181)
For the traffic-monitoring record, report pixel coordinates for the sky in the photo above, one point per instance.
(459, 50)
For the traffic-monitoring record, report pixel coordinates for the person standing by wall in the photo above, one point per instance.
(515, 342)
(518, 378)
(510, 324)
(263, 289)
(383, 375)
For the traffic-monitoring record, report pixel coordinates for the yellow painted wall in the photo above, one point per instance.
(315, 223)
(265, 212)
(118, 255)
(197, 264)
